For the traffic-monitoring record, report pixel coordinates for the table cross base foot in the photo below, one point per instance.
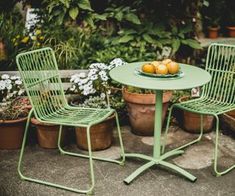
(157, 161)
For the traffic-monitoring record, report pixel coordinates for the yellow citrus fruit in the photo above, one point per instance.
(162, 69)
(173, 67)
(156, 63)
(166, 61)
(148, 68)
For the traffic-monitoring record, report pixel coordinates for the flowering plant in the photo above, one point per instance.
(94, 86)
(12, 106)
(10, 88)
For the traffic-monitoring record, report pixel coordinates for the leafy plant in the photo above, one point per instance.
(60, 11)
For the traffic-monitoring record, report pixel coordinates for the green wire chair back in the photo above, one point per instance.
(220, 64)
(40, 75)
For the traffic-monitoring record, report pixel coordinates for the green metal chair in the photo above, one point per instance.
(39, 72)
(218, 96)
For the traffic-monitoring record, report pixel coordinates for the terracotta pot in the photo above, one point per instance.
(47, 134)
(191, 121)
(231, 31)
(101, 135)
(141, 110)
(228, 121)
(231, 113)
(11, 133)
(213, 32)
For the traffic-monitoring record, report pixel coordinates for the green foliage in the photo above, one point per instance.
(82, 31)
(60, 11)
(11, 27)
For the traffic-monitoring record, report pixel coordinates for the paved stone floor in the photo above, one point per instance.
(71, 171)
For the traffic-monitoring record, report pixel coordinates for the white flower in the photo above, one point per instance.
(76, 80)
(102, 73)
(94, 77)
(5, 76)
(9, 86)
(82, 75)
(18, 82)
(15, 77)
(7, 81)
(2, 85)
(73, 88)
(102, 95)
(90, 74)
(21, 91)
(117, 62)
(84, 81)
(104, 78)
(73, 77)
(92, 71)
(89, 83)
(101, 65)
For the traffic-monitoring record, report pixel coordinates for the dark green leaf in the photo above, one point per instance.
(192, 43)
(85, 4)
(125, 38)
(148, 38)
(73, 13)
(100, 16)
(175, 45)
(119, 16)
(132, 18)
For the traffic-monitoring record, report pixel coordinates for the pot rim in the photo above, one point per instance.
(231, 27)
(13, 121)
(36, 122)
(126, 96)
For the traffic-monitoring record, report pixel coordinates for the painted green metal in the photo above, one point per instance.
(128, 75)
(218, 96)
(39, 72)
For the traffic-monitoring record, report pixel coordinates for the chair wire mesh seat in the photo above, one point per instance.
(218, 96)
(40, 76)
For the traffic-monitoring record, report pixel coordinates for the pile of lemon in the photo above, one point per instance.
(164, 67)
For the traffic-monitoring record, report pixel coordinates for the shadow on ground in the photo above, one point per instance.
(71, 171)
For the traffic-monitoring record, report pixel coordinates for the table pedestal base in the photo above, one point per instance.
(157, 161)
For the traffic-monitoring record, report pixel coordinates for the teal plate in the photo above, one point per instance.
(180, 74)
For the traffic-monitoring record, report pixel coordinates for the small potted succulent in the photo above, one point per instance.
(96, 89)
(13, 112)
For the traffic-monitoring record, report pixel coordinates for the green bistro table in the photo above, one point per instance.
(128, 75)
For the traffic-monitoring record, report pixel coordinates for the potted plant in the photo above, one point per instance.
(141, 109)
(190, 121)
(230, 17)
(96, 90)
(47, 134)
(13, 112)
(212, 13)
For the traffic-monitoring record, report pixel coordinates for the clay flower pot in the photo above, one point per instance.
(101, 135)
(213, 32)
(231, 31)
(141, 110)
(191, 121)
(11, 133)
(47, 134)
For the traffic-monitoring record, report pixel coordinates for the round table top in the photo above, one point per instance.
(192, 77)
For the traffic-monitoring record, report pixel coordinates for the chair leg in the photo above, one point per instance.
(120, 140)
(219, 173)
(23, 177)
(187, 144)
(121, 162)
